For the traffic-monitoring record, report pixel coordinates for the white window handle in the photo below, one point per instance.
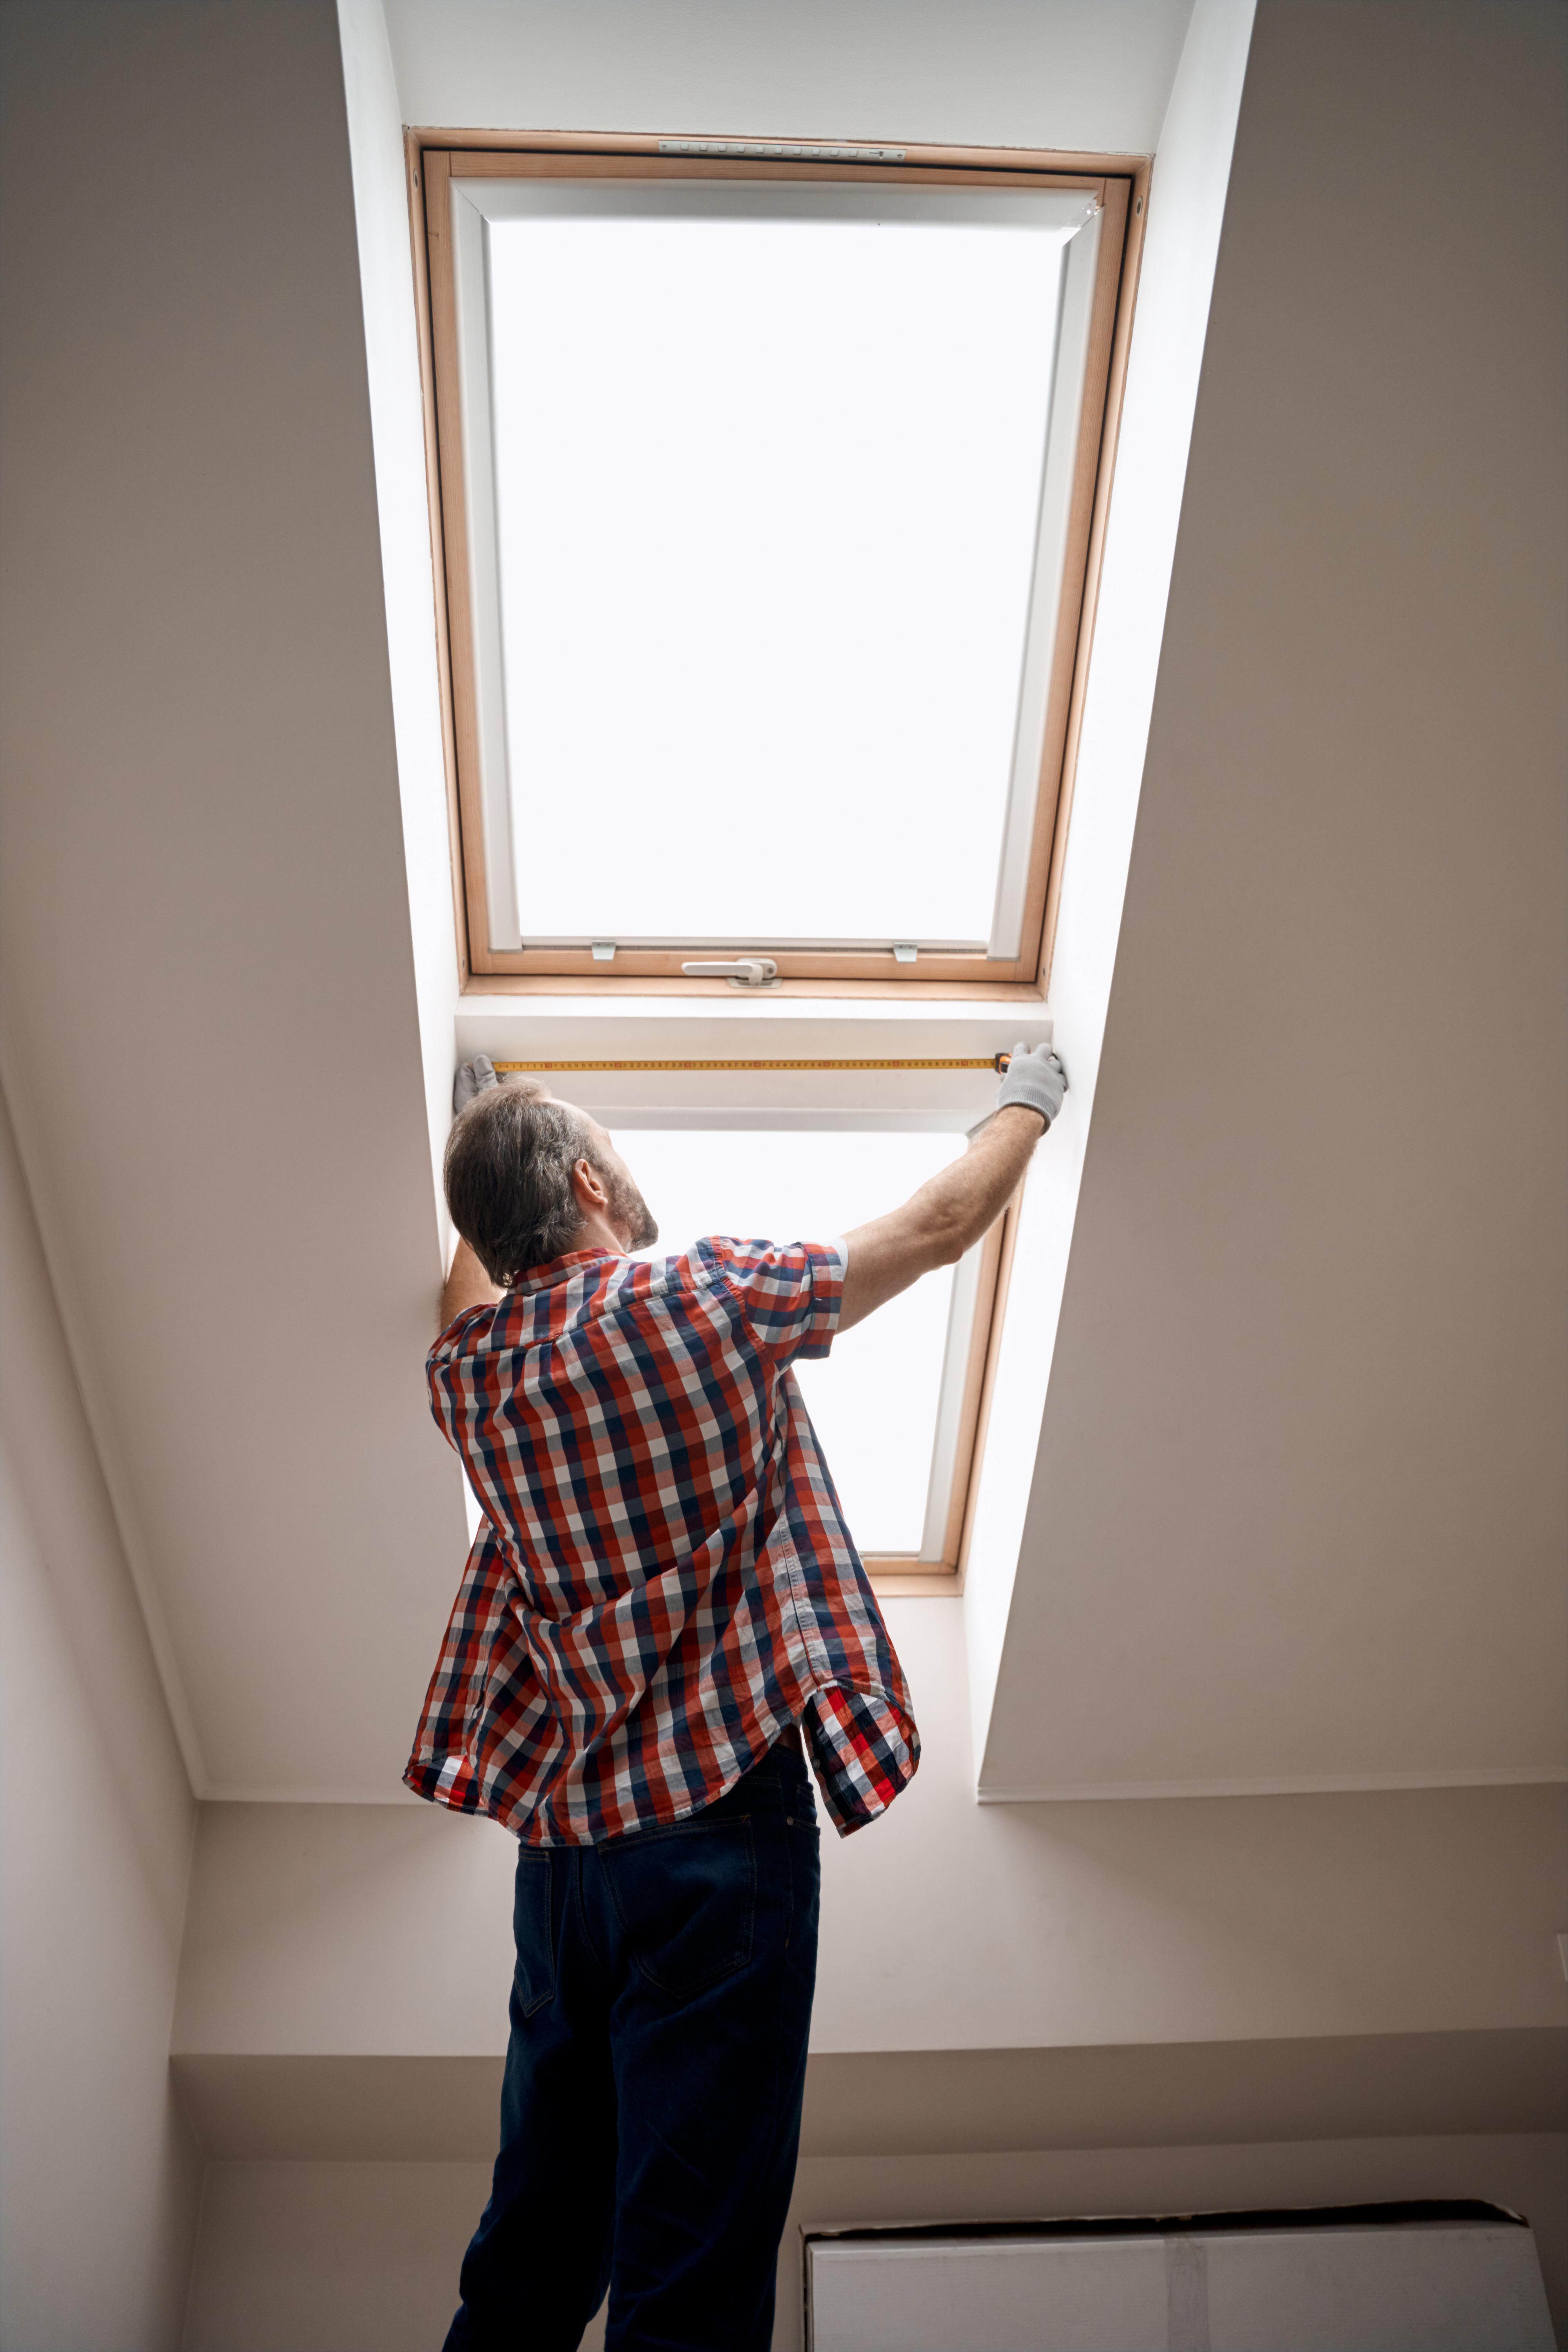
(746, 971)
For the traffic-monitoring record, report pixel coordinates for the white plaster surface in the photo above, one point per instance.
(1011, 73)
(403, 508)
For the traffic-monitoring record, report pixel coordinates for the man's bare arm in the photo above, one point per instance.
(467, 1285)
(940, 1222)
(948, 1215)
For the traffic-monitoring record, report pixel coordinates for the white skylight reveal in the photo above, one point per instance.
(876, 1401)
(768, 489)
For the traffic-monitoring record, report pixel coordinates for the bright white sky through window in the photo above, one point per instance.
(766, 494)
(873, 1401)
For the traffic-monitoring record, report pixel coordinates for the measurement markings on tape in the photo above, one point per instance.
(992, 1063)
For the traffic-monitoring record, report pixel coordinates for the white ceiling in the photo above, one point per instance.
(1298, 1506)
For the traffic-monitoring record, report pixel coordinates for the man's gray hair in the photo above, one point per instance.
(508, 1174)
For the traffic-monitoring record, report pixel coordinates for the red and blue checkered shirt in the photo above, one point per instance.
(663, 1580)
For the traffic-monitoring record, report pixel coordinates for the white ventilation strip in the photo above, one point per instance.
(768, 150)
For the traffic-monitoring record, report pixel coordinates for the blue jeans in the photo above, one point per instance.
(650, 2111)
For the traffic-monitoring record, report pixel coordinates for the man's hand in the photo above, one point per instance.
(475, 1076)
(1035, 1079)
(948, 1215)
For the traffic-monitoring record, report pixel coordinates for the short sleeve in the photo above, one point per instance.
(789, 1294)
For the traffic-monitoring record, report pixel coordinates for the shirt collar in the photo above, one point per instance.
(556, 1269)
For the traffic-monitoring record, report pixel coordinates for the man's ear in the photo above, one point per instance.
(589, 1187)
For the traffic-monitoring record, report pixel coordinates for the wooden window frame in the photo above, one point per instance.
(894, 1575)
(1120, 185)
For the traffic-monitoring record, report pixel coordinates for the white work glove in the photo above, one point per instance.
(1036, 1079)
(472, 1080)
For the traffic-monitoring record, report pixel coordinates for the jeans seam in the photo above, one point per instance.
(788, 1826)
(694, 1824)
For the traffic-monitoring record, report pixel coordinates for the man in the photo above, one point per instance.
(662, 1596)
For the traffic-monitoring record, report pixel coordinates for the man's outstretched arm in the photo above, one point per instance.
(468, 1285)
(949, 1214)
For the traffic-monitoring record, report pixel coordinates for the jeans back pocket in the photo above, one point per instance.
(686, 1898)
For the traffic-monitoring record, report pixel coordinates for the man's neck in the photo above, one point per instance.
(596, 1232)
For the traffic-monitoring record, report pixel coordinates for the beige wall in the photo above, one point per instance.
(330, 2257)
(1346, 1969)
(99, 2173)
(362, 2257)
(385, 1930)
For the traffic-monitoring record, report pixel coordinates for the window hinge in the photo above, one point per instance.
(602, 951)
(903, 953)
(741, 972)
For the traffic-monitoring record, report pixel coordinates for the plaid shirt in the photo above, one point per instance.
(663, 1580)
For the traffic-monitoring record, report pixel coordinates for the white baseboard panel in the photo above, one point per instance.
(1296, 1784)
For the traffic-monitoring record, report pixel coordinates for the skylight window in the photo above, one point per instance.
(811, 620)
(766, 505)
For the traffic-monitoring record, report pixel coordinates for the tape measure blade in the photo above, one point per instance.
(998, 1062)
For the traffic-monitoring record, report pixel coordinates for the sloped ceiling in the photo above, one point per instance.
(1299, 1512)
(1296, 1444)
(207, 978)
(211, 1038)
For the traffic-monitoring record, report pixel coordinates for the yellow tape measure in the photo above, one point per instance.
(994, 1063)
